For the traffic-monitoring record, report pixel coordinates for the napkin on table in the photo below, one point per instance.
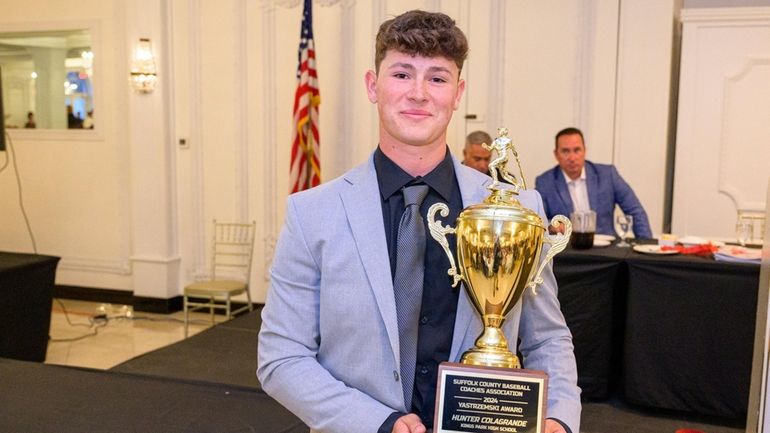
(738, 254)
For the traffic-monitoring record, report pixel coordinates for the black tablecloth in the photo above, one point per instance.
(591, 284)
(47, 398)
(690, 333)
(26, 290)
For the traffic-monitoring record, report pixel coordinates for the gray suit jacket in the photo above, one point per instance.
(328, 348)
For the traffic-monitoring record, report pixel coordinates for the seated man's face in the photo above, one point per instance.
(475, 156)
(571, 154)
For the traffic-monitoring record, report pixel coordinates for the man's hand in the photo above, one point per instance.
(551, 426)
(411, 423)
(556, 229)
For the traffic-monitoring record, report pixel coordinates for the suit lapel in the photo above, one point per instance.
(561, 187)
(592, 183)
(473, 190)
(363, 208)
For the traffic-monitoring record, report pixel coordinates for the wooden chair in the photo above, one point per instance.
(230, 272)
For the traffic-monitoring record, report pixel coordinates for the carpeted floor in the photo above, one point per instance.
(226, 354)
(41, 398)
(614, 416)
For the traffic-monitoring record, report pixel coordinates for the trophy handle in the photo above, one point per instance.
(558, 243)
(439, 233)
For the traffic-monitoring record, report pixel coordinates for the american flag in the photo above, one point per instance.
(305, 165)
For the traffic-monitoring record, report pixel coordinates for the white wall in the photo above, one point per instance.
(722, 149)
(128, 208)
(75, 183)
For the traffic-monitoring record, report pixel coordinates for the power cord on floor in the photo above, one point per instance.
(98, 321)
(12, 154)
(165, 319)
(94, 324)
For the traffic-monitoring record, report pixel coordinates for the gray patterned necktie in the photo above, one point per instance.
(408, 281)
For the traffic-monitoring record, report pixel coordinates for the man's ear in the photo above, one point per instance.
(371, 85)
(460, 91)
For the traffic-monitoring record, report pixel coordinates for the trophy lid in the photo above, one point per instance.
(502, 205)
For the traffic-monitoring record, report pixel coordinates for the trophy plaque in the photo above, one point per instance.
(499, 242)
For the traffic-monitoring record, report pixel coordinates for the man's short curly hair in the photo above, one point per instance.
(417, 32)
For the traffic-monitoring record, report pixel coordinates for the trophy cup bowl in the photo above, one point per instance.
(498, 249)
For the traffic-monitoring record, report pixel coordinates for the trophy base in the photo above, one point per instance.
(473, 399)
(490, 358)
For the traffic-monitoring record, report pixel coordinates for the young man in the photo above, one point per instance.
(330, 347)
(577, 184)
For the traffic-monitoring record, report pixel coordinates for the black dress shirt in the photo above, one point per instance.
(439, 298)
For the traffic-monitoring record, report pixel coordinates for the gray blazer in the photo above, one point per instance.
(328, 347)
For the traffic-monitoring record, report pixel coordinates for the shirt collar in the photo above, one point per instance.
(391, 178)
(582, 176)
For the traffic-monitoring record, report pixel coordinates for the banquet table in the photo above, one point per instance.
(689, 333)
(674, 332)
(26, 291)
(591, 293)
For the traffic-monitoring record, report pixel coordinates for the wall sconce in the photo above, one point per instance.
(144, 74)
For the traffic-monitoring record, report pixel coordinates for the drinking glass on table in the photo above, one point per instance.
(583, 229)
(625, 222)
(744, 231)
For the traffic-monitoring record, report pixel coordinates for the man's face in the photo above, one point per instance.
(475, 156)
(415, 98)
(571, 154)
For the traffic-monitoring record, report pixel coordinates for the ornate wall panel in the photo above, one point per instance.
(723, 133)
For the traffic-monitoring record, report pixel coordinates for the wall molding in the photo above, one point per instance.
(728, 150)
(620, 75)
(98, 79)
(116, 266)
(241, 104)
(583, 78)
(496, 77)
(197, 217)
(725, 16)
(348, 21)
(169, 112)
(162, 260)
(269, 135)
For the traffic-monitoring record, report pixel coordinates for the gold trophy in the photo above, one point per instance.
(498, 247)
(499, 242)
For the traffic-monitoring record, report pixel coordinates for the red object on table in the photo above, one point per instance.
(698, 250)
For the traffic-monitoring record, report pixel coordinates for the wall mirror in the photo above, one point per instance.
(47, 79)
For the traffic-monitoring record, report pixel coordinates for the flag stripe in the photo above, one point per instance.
(305, 168)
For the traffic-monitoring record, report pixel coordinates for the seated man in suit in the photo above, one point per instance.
(577, 184)
(475, 155)
(357, 318)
